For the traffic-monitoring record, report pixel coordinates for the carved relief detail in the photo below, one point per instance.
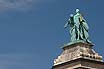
(77, 52)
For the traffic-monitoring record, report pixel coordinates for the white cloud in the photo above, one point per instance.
(21, 4)
(15, 4)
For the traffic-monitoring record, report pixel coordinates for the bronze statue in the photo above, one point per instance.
(78, 28)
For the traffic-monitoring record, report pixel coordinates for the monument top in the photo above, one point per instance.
(78, 54)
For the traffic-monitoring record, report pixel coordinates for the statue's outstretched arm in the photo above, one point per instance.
(70, 22)
(67, 23)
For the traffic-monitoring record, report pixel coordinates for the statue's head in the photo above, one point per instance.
(77, 10)
(71, 15)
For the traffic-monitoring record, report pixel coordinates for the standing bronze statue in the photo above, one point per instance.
(78, 28)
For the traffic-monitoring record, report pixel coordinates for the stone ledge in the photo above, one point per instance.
(78, 60)
(69, 45)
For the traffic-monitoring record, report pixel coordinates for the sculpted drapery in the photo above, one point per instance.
(78, 28)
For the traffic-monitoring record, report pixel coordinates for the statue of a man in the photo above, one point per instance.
(78, 28)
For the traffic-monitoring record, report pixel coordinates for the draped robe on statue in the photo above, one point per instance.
(78, 28)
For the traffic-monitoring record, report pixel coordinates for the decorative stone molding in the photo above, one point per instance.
(75, 51)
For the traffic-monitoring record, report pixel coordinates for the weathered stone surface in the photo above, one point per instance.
(80, 63)
(82, 51)
(75, 51)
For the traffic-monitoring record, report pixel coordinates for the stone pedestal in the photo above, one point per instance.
(78, 56)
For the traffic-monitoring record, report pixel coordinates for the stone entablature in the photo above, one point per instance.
(80, 63)
(75, 51)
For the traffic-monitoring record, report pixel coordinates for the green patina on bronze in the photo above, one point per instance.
(78, 28)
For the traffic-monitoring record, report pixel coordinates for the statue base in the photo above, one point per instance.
(80, 52)
(76, 42)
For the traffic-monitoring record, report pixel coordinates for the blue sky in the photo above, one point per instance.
(32, 31)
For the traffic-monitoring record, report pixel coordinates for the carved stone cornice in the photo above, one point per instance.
(75, 51)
